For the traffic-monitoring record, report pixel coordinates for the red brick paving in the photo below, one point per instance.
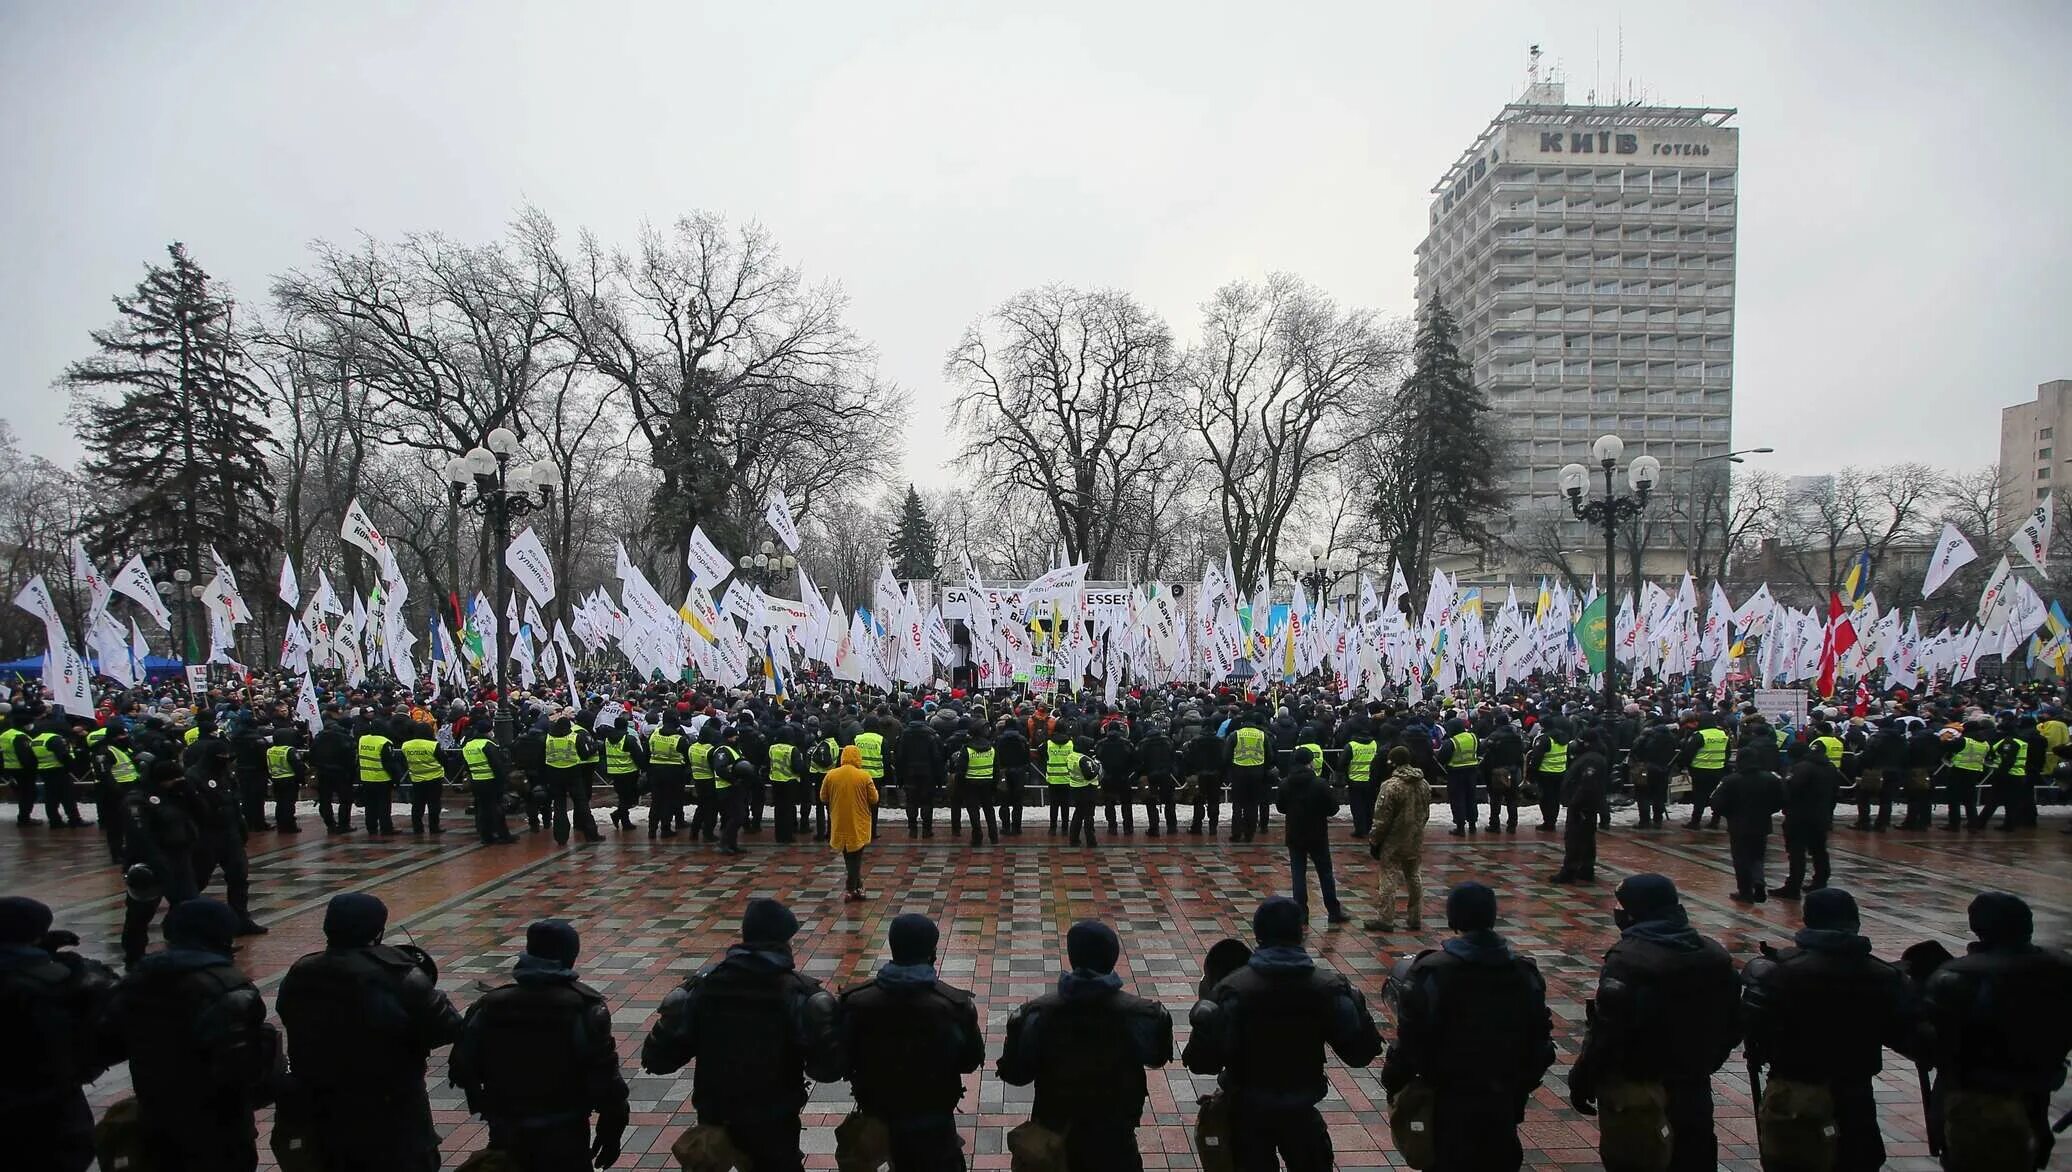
(652, 911)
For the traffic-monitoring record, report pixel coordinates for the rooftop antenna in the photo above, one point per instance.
(1622, 60)
(1532, 68)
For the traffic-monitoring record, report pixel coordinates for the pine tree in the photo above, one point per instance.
(913, 540)
(1439, 483)
(179, 450)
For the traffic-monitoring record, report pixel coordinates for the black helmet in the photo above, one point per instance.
(141, 884)
(742, 771)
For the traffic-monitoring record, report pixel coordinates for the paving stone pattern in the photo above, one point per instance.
(650, 912)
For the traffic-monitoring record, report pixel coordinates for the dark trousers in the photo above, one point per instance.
(1476, 1132)
(705, 820)
(1299, 860)
(55, 1134)
(558, 1147)
(1651, 793)
(1084, 799)
(784, 802)
(626, 787)
(1886, 782)
(927, 1146)
(733, 812)
(1694, 1147)
(1360, 796)
(1858, 1146)
(334, 801)
(1107, 1147)
(178, 886)
(489, 810)
(1263, 1139)
(771, 1145)
(425, 802)
(24, 782)
(376, 797)
(1963, 795)
(1703, 782)
(1800, 842)
(918, 794)
(1208, 802)
(1060, 798)
(1011, 783)
(251, 792)
(1248, 795)
(1460, 794)
(285, 791)
(1549, 784)
(1747, 852)
(1503, 796)
(978, 802)
(1116, 792)
(852, 868)
(219, 850)
(665, 799)
(568, 795)
(60, 797)
(752, 795)
(2012, 793)
(1579, 845)
(108, 812)
(1158, 788)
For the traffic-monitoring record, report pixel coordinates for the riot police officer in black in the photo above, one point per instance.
(1483, 1056)
(1086, 1047)
(1667, 1012)
(910, 1039)
(51, 1000)
(2002, 1021)
(160, 833)
(201, 1055)
(1820, 1013)
(361, 1019)
(1263, 1030)
(758, 1029)
(536, 1060)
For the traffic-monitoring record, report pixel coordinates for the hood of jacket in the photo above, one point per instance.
(852, 756)
(1479, 947)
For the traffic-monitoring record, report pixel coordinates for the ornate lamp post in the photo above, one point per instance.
(1316, 580)
(766, 564)
(1606, 514)
(502, 495)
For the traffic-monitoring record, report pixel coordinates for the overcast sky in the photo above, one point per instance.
(1906, 183)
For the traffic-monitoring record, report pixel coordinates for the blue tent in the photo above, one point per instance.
(155, 666)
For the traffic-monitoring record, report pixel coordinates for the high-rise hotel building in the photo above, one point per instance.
(1587, 253)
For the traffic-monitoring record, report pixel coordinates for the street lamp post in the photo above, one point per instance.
(1317, 579)
(1641, 476)
(181, 577)
(502, 495)
(766, 563)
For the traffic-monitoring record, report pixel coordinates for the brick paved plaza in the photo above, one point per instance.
(650, 912)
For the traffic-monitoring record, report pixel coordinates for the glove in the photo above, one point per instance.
(1584, 1105)
(604, 1150)
(54, 940)
(1373, 848)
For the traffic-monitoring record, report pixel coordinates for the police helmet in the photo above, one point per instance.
(141, 884)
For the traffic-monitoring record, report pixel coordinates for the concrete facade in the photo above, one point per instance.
(1588, 254)
(2031, 435)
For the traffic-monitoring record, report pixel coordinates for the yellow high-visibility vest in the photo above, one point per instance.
(1555, 759)
(872, 746)
(122, 768)
(665, 748)
(1250, 748)
(618, 758)
(701, 761)
(422, 756)
(373, 766)
(476, 754)
(1467, 750)
(1971, 757)
(1832, 747)
(1712, 749)
(1057, 765)
(780, 763)
(280, 762)
(46, 756)
(1080, 776)
(562, 754)
(1363, 754)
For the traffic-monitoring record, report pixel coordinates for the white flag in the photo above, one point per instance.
(778, 513)
(306, 706)
(709, 567)
(97, 587)
(528, 559)
(35, 598)
(2032, 539)
(1994, 596)
(65, 680)
(325, 601)
(291, 590)
(1952, 553)
(358, 529)
(132, 582)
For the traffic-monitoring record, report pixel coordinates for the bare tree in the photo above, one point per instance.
(1280, 385)
(1069, 396)
(1822, 530)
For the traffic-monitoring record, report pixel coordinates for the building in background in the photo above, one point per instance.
(2029, 461)
(1588, 254)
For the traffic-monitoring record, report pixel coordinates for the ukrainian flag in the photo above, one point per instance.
(1857, 582)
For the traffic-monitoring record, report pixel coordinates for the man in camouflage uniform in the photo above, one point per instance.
(1397, 840)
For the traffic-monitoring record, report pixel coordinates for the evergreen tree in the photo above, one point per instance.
(178, 447)
(913, 540)
(1436, 485)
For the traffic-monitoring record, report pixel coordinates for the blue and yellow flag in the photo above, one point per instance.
(1857, 582)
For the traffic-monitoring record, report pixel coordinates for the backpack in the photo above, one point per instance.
(1985, 1131)
(1795, 1127)
(1411, 1114)
(1633, 1127)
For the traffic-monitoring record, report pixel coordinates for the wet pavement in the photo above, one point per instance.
(651, 911)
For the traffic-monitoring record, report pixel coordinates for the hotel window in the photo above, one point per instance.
(2043, 453)
(2044, 434)
(2043, 474)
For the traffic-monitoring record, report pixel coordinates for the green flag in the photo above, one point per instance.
(1590, 634)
